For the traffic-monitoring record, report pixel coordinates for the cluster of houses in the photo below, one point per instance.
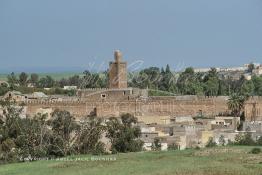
(188, 132)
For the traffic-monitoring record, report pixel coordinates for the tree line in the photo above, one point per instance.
(29, 83)
(87, 80)
(159, 81)
(189, 82)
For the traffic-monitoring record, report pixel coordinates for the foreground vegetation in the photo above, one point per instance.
(209, 161)
(61, 135)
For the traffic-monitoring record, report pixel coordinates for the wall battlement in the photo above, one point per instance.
(150, 106)
(257, 99)
(95, 89)
(172, 99)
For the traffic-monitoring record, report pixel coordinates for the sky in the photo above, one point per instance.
(74, 35)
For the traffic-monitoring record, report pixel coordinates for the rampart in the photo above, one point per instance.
(141, 106)
(253, 109)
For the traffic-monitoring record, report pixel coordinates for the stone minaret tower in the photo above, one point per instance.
(117, 72)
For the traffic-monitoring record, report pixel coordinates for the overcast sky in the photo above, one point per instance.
(77, 34)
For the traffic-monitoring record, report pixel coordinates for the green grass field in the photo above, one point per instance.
(211, 161)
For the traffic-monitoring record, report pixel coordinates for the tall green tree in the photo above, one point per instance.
(236, 104)
(10, 130)
(147, 78)
(90, 134)
(211, 83)
(34, 78)
(64, 137)
(167, 80)
(23, 79)
(257, 81)
(46, 82)
(33, 141)
(247, 88)
(251, 67)
(93, 80)
(123, 135)
(188, 83)
(12, 79)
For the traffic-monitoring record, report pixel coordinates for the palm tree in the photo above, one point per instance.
(236, 103)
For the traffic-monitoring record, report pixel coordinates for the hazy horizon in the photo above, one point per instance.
(80, 69)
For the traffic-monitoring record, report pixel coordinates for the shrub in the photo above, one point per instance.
(7, 151)
(156, 145)
(99, 149)
(230, 142)
(255, 151)
(222, 140)
(259, 141)
(245, 139)
(210, 143)
(197, 148)
(172, 146)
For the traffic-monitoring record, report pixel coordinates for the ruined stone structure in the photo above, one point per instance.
(117, 72)
(150, 106)
(253, 109)
(118, 99)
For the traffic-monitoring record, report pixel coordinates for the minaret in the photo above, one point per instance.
(118, 72)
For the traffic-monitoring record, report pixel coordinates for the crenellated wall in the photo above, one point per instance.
(76, 108)
(154, 106)
(149, 106)
(253, 109)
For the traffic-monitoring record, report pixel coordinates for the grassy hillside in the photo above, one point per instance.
(212, 161)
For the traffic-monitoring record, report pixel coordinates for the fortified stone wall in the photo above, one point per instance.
(253, 109)
(151, 106)
(77, 109)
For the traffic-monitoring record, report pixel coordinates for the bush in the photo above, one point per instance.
(230, 142)
(3, 89)
(157, 144)
(197, 148)
(210, 143)
(255, 151)
(222, 140)
(99, 149)
(7, 151)
(172, 146)
(245, 139)
(259, 141)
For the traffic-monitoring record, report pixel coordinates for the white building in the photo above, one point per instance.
(70, 87)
